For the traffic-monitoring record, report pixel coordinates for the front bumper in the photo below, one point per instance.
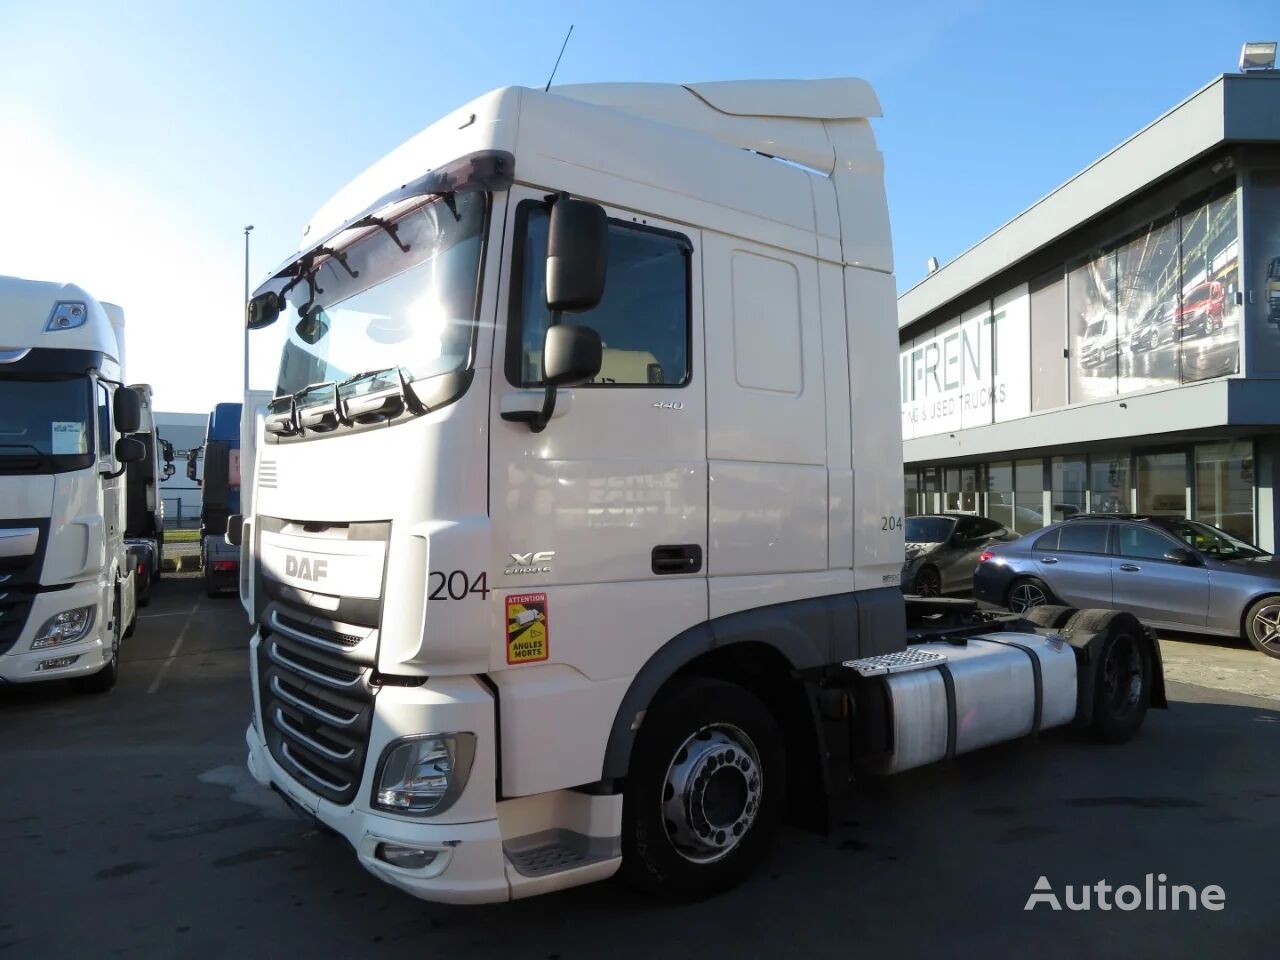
(470, 838)
(21, 663)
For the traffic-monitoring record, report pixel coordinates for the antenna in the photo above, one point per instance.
(561, 54)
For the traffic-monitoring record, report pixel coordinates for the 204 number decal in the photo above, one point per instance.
(890, 523)
(457, 585)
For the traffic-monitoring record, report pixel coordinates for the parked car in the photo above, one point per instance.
(1154, 328)
(943, 549)
(1202, 310)
(1172, 573)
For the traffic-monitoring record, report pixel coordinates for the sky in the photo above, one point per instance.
(138, 138)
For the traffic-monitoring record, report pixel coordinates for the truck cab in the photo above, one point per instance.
(583, 470)
(219, 497)
(144, 507)
(66, 584)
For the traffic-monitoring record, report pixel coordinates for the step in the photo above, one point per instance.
(903, 661)
(553, 851)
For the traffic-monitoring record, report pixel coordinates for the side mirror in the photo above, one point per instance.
(129, 450)
(264, 310)
(577, 254)
(235, 529)
(1182, 556)
(169, 469)
(126, 409)
(571, 355)
(191, 463)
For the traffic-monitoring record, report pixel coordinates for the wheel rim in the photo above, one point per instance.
(1024, 596)
(711, 794)
(1122, 676)
(927, 584)
(1266, 628)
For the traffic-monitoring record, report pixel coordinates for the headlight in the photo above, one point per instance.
(65, 627)
(424, 775)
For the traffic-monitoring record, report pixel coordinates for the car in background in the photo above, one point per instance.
(943, 549)
(1170, 572)
(1098, 343)
(1202, 310)
(1154, 328)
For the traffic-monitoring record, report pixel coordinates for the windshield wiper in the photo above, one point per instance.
(41, 456)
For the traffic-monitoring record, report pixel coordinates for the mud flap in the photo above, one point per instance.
(1087, 632)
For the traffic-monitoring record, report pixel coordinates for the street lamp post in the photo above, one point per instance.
(247, 231)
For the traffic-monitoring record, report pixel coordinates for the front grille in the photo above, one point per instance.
(15, 608)
(316, 689)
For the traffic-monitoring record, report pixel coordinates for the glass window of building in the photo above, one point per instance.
(911, 490)
(1224, 487)
(1049, 341)
(1069, 483)
(1147, 284)
(1028, 495)
(1208, 321)
(1000, 493)
(1162, 483)
(1109, 484)
(1092, 329)
(931, 484)
(961, 484)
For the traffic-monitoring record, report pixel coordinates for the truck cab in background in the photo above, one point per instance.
(219, 497)
(144, 507)
(67, 587)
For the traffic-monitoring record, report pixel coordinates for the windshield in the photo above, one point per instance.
(1211, 541)
(928, 529)
(412, 310)
(46, 425)
(1096, 329)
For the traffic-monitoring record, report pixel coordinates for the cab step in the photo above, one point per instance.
(903, 661)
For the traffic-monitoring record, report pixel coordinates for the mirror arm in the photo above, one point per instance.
(538, 419)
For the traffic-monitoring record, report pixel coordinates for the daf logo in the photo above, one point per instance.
(526, 563)
(304, 568)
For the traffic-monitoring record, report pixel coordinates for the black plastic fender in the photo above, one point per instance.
(1087, 632)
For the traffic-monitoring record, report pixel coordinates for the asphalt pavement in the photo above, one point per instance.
(129, 827)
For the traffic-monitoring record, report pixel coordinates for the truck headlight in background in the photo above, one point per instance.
(423, 775)
(65, 627)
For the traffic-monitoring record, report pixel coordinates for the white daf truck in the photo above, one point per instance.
(66, 583)
(530, 611)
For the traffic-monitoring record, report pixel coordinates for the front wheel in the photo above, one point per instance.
(1262, 626)
(1028, 592)
(704, 795)
(106, 678)
(928, 583)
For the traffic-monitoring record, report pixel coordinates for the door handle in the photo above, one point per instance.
(1130, 567)
(1048, 559)
(677, 558)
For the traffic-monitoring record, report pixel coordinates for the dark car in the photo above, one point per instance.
(1170, 572)
(1155, 327)
(943, 549)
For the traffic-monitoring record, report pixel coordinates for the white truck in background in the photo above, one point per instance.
(67, 597)
(527, 611)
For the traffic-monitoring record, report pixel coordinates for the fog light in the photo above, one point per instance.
(410, 858)
(65, 627)
(57, 662)
(424, 775)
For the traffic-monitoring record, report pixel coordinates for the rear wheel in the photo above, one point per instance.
(928, 583)
(1262, 626)
(1028, 592)
(704, 795)
(1123, 682)
(1049, 616)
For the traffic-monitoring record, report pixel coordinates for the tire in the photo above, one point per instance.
(106, 678)
(928, 583)
(133, 625)
(1262, 626)
(1049, 616)
(1122, 691)
(1026, 593)
(705, 791)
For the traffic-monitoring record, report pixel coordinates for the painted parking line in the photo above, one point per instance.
(171, 613)
(177, 645)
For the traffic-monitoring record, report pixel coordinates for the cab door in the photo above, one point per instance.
(599, 521)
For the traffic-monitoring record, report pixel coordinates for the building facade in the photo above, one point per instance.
(1116, 347)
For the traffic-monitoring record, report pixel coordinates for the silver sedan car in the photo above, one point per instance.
(1172, 573)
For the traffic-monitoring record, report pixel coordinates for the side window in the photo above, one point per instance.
(985, 527)
(104, 421)
(1084, 537)
(643, 319)
(1142, 543)
(967, 527)
(1050, 540)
